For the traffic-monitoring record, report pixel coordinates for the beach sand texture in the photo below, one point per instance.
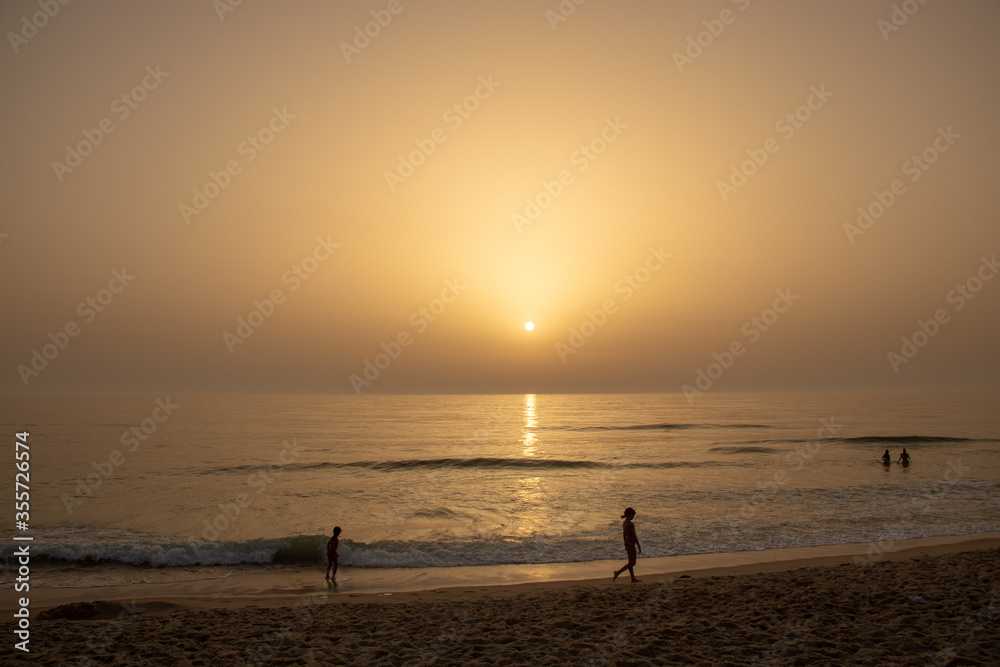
(931, 610)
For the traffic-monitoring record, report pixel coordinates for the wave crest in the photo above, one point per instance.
(648, 427)
(863, 439)
(744, 450)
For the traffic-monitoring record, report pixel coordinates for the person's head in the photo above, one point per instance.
(904, 450)
(887, 451)
(629, 513)
(336, 531)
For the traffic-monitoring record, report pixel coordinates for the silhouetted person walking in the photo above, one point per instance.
(332, 558)
(631, 544)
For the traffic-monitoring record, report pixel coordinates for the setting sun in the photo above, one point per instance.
(529, 326)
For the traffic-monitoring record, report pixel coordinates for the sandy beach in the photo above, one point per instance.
(917, 607)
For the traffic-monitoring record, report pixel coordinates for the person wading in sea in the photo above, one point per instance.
(631, 544)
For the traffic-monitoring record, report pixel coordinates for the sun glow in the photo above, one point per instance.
(529, 326)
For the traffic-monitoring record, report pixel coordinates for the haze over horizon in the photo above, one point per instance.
(375, 197)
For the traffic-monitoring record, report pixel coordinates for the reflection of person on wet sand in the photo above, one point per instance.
(904, 458)
(631, 544)
(332, 557)
(886, 458)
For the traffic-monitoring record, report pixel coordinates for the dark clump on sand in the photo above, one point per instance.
(933, 610)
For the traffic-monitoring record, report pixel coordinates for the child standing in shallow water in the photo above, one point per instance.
(631, 544)
(331, 553)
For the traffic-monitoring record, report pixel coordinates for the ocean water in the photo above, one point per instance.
(178, 488)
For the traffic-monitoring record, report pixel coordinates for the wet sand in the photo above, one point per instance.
(936, 605)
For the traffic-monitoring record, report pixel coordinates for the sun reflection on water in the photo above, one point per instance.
(528, 439)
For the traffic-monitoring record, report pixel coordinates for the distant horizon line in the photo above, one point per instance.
(909, 390)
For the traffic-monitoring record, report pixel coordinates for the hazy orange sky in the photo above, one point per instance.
(639, 179)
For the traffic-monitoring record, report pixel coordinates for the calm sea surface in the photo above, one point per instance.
(196, 482)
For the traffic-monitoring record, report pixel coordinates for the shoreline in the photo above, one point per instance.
(376, 585)
(935, 604)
